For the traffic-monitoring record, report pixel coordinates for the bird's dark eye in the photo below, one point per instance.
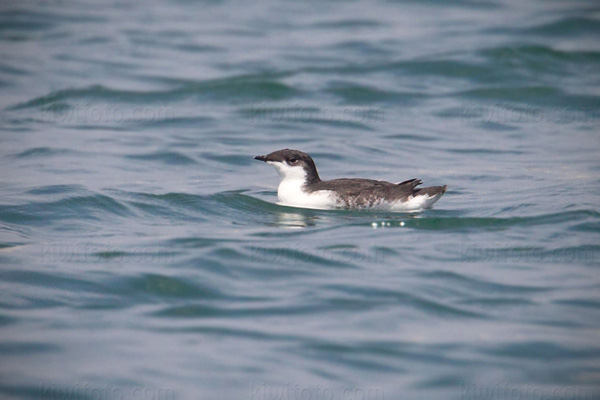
(293, 160)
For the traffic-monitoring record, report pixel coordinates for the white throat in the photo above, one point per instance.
(287, 172)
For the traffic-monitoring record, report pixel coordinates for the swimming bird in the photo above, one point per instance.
(302, 187)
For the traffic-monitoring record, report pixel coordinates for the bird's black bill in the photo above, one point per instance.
(261, 158)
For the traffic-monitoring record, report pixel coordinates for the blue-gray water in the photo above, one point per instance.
(143, 255)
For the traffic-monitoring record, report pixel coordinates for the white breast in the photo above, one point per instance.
(291, 193)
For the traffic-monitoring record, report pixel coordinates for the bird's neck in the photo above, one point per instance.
(312, 176)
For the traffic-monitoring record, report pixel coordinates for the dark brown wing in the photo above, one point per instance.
(411, 182)
(366, 192)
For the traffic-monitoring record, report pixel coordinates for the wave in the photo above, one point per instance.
(572, 26)
(75, 202)
(239, 88)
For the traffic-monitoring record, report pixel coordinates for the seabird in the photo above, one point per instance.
(302, 187)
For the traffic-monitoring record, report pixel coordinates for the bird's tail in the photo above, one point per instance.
(431, 191)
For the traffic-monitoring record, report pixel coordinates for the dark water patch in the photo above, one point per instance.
(447, 68)
(243, 203)
(107, 62)
(109, 126)
(232, 89)
(485, 151)
(583, 303)
(171, 40)
(17, 215)
(198, 48)
(137, 255)
(593, 227)
(242, 88)
(54, 391)
(357, 361)
(360, 47)
(94, 40)
(489, 118)
(152, 209)
(537, 57)
(42, 152)
(496, 302)
(7, 320)
(331, 122)
(16, 348)
(8, 246)
(293, 256)
(32, 391)
(181, 206)
(190, 311)
(574, 26)
(534, 95)
(82, 206)
(54, 289)
(542, 351)
(230, 159)
(233, 264)
(518, 94)
(56, 189)
(499, 223)
(256, 263)
(25, 21)
(352, 93)
(581, 255)
(7, 69)
(261, 76)
(467, 4)
(441, 382)
(288, 117)
(94, 207)
(420, 303)
(247, 311)
(278, 113)
(167, 287)
(110, 254)
(409, 137)
(234, 206)
(15, 37)
(168, 119)
(496, 126)
(52, 280)
(385, 352)
(197, 242)
(347, 24)
(235, 332)
(94, 92)
(559, 322)
(478, 285)
(165, 157)
(16, 14)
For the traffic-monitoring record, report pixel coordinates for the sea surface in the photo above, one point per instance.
(142, 252)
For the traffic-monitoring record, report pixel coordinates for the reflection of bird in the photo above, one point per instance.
(301, 187)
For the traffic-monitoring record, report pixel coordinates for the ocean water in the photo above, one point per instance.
(142, 252)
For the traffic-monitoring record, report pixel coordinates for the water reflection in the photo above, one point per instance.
(295, 219)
